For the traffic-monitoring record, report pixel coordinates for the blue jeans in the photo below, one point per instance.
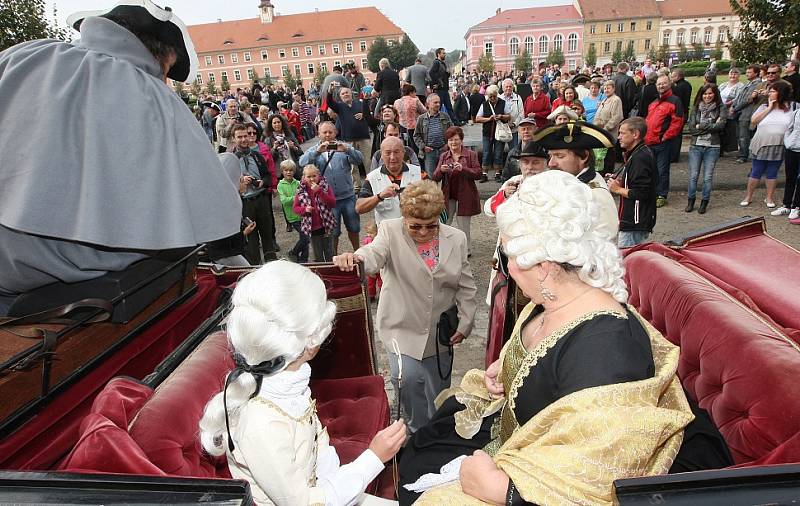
(492, 153)
(707, 156)
(447, 106)
(301, 247)
(628, 239)
(346, 209)
(431, 160)
(662, 152)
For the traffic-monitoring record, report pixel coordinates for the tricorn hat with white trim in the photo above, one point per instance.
(161, 23)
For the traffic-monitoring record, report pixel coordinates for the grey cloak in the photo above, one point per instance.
(115, 162)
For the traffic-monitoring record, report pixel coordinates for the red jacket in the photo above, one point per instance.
(460, 185)
(664, 119)
(540, 107)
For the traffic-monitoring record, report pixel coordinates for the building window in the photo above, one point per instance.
(234, 58)
(224, 75)
(666, 39)
(708, 36)
(284, 70)
(544, 44)
(323, 66)
(321, 49)
(647, 44)
(337, 63)
(199, 79)
(513, 46)
(608, 27)
(211, 78)
(529, 45)
(681, 38)
(572, 42)
(606, 47)
(571, 64)
(267, 72)
(309, 51)
(558, 42)
(250, 74)
(649, 25)
(390, 42)
(295, 52)
(348, 46)
(362, 46)
(723, 30)
(297, 70)
(488, 47)
(264, 54)
(619, 45)
(208, 61)
(621, 27)
(310, 68)
(281, 53)
(364, 64)
(633, 26)
(592, 29)
(247, 56)
(221, 59)
(694, 36)
(335, 48)
(237, 75)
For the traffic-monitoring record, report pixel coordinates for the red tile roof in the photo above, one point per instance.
(291, 29)
(689, 8)
(531, 15)
(596, 10)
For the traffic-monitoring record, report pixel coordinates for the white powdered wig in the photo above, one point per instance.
(278, 311)
(553, 217)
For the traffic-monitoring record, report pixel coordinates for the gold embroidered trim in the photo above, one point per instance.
(508, 419)
(352, 303)
(307, 415)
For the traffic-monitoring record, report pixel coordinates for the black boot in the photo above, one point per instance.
(690, 206)
(703, 206)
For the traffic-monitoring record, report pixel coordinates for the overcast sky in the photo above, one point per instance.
(429, 23)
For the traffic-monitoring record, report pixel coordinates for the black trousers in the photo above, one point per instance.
(259, 209)
(791, 194)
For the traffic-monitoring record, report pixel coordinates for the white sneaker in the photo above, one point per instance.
(794, 213)
(781, 211)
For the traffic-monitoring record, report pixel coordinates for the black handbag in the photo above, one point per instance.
(447, 326)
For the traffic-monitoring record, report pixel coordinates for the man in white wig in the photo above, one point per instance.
(129, 171)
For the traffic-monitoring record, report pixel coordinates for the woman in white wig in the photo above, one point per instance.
(561, 414)
(265, 420)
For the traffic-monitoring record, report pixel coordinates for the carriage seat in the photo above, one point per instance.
(134, 429)
(735, 363)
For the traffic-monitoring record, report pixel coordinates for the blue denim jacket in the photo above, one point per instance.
(338, 171)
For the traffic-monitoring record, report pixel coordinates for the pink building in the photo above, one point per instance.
(537, 30)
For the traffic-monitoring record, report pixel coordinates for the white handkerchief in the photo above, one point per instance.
(448, 473)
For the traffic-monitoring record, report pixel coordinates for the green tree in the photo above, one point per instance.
(555, 56)
(289, 81)
(404, 54)
(224, 84)
(591, 56)
(486, 63)
(616, 57)
(629, 53)
(663, 53)
(379, 49)
(768, 29)
(256, 79)
(211, 88)
(652, 54)
(179, 88)
(683, 52)
(523, 62)
(24, 20)
(196, 88)
(717, 52)
(267, 80)
(698, 52)
(320, 75)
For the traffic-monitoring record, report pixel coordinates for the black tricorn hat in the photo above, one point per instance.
(149, 18)
(573, 135)
(530, 149)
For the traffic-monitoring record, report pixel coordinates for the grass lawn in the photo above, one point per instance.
(697, 83)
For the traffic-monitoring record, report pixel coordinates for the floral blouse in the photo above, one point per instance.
(429, 251)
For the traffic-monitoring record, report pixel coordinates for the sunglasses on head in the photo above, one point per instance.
(417, 226)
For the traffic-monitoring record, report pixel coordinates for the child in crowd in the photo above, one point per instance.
(314, 203)
(374, 281)
(265, 420)
(287, 190)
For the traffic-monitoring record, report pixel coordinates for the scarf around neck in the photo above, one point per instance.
(305, 199)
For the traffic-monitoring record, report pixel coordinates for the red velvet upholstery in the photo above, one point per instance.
(48, 437)
(738, 367)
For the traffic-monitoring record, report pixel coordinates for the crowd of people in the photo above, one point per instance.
(582, 372)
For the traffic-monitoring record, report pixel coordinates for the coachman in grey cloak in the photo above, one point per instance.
(126, 170)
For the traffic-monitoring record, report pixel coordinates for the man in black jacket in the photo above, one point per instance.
(635, 183)
(625, 88)
(440, 80)
(682, 89)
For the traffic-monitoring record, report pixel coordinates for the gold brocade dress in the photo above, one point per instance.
(595, 401)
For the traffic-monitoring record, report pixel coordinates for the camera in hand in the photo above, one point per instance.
(332, 146)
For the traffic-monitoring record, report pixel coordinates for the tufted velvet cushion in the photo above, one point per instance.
(738, 366)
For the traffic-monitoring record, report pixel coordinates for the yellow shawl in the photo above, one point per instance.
(573, 450)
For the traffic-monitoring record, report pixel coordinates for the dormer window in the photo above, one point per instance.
(228, 42)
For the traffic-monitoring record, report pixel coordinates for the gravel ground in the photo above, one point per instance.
(729, 183)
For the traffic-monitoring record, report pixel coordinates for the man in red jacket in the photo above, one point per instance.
(664, 123)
